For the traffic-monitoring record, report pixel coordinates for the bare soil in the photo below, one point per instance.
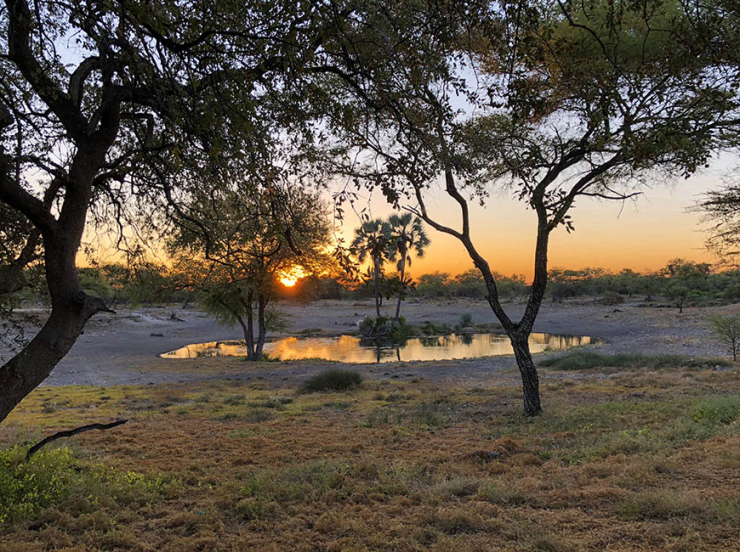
(123, 348)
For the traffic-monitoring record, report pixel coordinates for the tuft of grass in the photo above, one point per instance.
(718, 410)
(589, 360)
(332, 380)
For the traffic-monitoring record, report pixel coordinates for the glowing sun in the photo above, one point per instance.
(289, 278)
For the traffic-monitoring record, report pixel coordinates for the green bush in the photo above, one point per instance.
(51, 477)
(332, 380)
(27, 487)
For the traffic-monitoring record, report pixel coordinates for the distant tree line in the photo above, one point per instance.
(679, 284)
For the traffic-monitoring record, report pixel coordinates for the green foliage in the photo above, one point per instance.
(52, 476)
(332, 380)
(469, 284)
(590, 360)
(29, 487)
(682, 282)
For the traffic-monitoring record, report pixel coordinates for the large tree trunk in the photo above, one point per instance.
(248, 337)
(528, 371)
(71, 309)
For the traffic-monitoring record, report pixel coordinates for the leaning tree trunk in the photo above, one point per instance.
(71, 308)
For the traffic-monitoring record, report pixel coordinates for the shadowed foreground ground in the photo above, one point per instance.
(621, 460)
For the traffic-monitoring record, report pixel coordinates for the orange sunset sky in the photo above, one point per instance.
(642, 234)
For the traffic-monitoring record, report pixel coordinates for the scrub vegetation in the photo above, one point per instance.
(644, 458)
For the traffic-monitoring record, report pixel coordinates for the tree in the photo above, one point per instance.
(149, 94)
(470, 284)
(727, 330)
(682, 277)
(406, 234)
(564, 101)
(245, 238)
(372, 240)
(433, 285)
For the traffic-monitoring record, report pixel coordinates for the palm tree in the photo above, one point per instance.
(372, 240)
(406, 234)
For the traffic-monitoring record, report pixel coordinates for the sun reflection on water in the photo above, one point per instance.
(352, 349)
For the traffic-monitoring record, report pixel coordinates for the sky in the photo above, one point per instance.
(641, 234)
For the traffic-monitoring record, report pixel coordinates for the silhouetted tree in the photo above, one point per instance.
(563, 101)
(372, 240)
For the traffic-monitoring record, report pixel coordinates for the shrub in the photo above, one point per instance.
(29, 487)
(332, 380)
(52, 477)
(465, 321)
(727, 330)
(611, 298)
(386, 327)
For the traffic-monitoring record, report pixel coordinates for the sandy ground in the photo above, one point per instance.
(123, 348)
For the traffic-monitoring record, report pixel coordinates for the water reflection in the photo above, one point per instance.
(351, 349)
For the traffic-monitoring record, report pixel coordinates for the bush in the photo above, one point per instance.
(465, 322)
(51, 477)
(29, 487)
(332, 380)
(386, 327)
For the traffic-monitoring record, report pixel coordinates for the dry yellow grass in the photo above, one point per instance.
(635, 461)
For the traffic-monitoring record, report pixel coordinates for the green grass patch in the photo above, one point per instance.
(589, 360)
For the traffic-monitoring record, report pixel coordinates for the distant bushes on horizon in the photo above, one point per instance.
(680, 283)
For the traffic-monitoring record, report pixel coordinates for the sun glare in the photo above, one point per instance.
(291, 277)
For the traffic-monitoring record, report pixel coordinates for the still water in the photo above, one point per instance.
(351, 349)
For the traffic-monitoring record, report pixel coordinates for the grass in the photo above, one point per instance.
(590, 360)
(642, 460)
(332, 380)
